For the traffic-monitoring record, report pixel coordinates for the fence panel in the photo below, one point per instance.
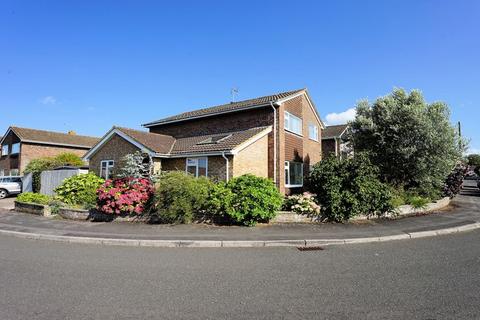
(53, 178)
(27, 181)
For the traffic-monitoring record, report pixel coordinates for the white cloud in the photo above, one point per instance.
(342, 117)
(48, 100)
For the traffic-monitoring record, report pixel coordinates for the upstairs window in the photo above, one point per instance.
(15, 148)
(313, 132)
(106, 169)
(293, 123)
(293, 174)
(5, 150)
(198, 167)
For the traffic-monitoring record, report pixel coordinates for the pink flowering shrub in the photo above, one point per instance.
(302, 204)
(124, 195)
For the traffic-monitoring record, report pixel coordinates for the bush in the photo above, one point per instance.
(454, 181)
(250, 200)
(347, 188)
(32, 197)
(418, 202)
(302, 204)
(180, 197)
(411, 141)
(80, 190)
(68, 159)
(124, 196)
(135, 165)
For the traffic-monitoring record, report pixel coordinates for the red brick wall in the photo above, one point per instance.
(218, 124)
(34, 151)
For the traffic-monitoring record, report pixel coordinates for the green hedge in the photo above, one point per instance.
(32, 197)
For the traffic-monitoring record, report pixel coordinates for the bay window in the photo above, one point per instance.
(293, 123)
(293, 174)
(198, 167)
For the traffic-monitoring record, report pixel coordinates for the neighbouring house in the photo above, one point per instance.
(334, 141)
(21, 145)
(276, 136)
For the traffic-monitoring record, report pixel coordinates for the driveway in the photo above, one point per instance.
(7, 203)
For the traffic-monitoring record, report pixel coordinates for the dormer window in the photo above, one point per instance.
(214, 139)
(293, 123)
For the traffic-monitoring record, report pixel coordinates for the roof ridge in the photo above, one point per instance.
(51, 131)
(210, 110)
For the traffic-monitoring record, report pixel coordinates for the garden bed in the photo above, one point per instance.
(33, 208)
(74, 214)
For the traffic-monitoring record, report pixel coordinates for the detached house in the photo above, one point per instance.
(21, 145)
(276, 136)
(334, 141)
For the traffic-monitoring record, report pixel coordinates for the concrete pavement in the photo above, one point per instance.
(463, 215)
(431, 278)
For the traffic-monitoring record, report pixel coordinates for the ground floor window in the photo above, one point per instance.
(197, 166)
(2, 172)
(106, 168)
(293, 174)
(14, 172)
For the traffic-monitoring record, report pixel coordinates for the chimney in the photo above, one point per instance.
(71, 133)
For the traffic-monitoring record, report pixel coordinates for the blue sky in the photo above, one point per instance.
(87, 65)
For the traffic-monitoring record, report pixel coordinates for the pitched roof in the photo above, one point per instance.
(158, 143)
(166, 146)
(225, 108)
(215, 142)
(336, 131)
(53, 138)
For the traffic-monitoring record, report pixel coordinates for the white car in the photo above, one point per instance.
(9, 186)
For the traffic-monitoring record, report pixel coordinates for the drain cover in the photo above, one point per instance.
(310, 248)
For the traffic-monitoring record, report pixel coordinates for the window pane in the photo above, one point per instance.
(296, 173)
(5, 150)
(202, 162)
(15, 148)
(202, 172)
(192, 170)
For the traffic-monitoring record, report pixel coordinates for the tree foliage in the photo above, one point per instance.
(347, 188)
(411, 141)
(135, 165)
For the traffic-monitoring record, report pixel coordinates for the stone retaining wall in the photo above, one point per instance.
(32, 208)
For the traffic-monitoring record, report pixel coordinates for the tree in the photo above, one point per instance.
(412, 142)
(135, 165)
(473, 160)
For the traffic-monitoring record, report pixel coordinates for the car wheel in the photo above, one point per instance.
(3, 193)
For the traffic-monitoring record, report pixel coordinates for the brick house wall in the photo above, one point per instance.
(240, 120)
(115, 149)
(31, 151)
(216, 166)
(253, 159)
(293, 147)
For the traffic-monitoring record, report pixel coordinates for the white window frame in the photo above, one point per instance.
(13, 151)
(14, 172)
(108, 168)
(196, 165)
(288, 123)
(3, 147)
(287, 170)
(315, 132)
(2, 172)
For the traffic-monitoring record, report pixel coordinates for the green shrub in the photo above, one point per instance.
(250, 200)
(32, 197)
(418, 202)
(68, 159)
(347, 188)
(80, 190)
(180, 197)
